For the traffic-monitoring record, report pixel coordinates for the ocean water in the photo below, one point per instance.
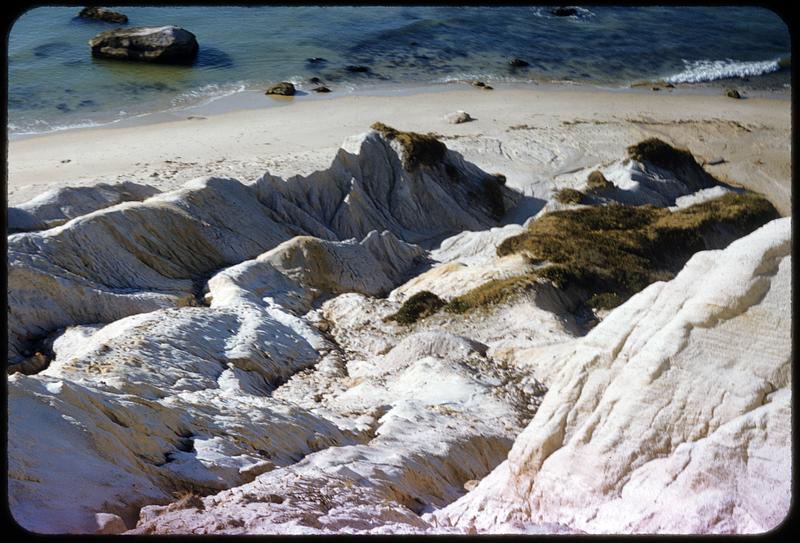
(54, 83)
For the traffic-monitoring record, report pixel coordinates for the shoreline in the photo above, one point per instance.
(250, 99)
(535, 135)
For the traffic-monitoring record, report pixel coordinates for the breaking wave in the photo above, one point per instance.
(699, 71)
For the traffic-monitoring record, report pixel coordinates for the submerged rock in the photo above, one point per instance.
(166, 44)
(564, 11)
(103, 14)
(283, 88)
(357, 69)
(518, 63)
(321, 88)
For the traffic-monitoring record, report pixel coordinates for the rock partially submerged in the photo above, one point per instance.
(103, 14)
(165, 44)
(357, 69)
(284, 88)
(564, 11)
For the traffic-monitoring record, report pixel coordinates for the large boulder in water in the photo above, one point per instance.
(168, 44)
(103, 14)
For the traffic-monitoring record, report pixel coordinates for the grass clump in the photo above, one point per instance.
(678, 161)
(418, 306)
(614, 251)
(660, 154)
(420, 149)
(492, 292)
(598, 181)
(569, 196)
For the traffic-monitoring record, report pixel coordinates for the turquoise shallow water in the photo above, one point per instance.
(55, 83)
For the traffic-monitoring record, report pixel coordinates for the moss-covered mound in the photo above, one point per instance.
(609, 252)
(615, 251)
(495, 291)
(661, 154)
(569, 196)
(420, 149)
(418, 306)
(598, 181)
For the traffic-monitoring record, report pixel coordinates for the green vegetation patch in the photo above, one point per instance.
(598, 181)
(418, 306)
(420, 149)
(614, 251)
(495, 291)
(569, 196)
(664, 155)
(609, 252)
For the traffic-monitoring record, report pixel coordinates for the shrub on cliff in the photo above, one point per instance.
(418, 306)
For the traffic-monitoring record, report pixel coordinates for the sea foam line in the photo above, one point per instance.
(699, 71)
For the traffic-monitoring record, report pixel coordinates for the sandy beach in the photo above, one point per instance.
(539, 137)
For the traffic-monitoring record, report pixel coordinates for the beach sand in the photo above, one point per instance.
(539, 137)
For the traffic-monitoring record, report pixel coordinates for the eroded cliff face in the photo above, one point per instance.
(221, 359)
(671, 416)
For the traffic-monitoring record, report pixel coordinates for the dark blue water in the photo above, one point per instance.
(54, 82)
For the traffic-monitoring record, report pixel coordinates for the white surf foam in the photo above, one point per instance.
(699, 71)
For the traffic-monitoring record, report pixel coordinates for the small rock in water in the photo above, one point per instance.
(669, 86)
(316, 60)
(733, 93)
(478, 84)
(519, 63)
(103, 14)
(315, 80)
(564, 11)
(656, 88)
(322, 88)
(357, 69)
(284, 88)
(458, 117)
